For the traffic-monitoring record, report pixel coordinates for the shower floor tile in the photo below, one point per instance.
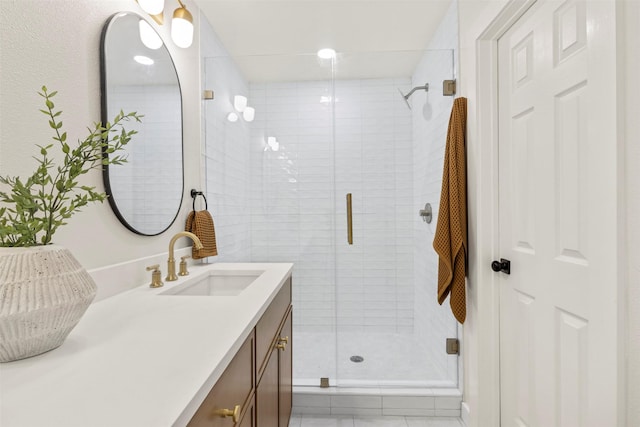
(388, 359)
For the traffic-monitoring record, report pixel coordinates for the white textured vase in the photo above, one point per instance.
(44, 292)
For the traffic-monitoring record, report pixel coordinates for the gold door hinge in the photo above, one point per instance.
(453, 346)
(449, 87)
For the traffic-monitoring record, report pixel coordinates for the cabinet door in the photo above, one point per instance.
(267, 393)
(249, 418)
(285, 362)
(268, 326)
(234, 388)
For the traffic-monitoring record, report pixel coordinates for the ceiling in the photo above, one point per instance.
(277, 40)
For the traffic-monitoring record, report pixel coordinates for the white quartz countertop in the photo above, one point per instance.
(138, 359)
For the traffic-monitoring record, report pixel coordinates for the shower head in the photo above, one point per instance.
(408, 95)
(405, 98)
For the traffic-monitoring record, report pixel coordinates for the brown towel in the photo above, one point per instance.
(200, 223)
(450, 241)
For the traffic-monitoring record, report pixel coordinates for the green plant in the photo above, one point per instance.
(31, 211)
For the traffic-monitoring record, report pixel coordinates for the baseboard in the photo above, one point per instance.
(465, 414)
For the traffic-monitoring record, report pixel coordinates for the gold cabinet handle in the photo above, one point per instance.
(282, 343)
(235, 413)
(349, 220)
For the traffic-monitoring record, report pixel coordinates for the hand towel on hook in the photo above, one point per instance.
(200, 223)
(450, 241)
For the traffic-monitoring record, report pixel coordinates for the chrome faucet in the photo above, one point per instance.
(171, 263)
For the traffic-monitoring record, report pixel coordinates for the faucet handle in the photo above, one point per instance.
(156, 276)
(183, 266)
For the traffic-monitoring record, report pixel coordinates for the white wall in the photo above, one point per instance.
(57, 44)
(630, 86)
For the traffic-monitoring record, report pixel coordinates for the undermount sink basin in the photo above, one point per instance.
(216, 283)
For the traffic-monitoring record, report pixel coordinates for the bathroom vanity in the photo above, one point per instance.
(198, 351)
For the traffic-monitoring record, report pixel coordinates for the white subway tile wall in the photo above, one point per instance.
(299, 199)
(227, 161)
(434, 323)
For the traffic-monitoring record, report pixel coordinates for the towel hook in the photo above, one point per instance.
(194, 196)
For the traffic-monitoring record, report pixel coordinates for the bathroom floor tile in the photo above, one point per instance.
(326, 421)
(380, 422)
(361, 421)
(295, 421)
(434, 422)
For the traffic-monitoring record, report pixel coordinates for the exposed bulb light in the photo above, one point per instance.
(182, 27)
(148, 36)
(152, 7)
(249, 114)
(232, 117)
(327, 53)
(144, 60)
(240, 103)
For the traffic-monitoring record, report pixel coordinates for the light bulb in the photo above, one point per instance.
(148, 36)
(240, 102)
(249, 114)
(152, 7)
(232, 117)
(327, 53)
(182, 27)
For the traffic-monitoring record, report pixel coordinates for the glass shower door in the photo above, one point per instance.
(390, 330)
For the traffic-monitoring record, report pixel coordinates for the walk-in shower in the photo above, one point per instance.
(365, 314)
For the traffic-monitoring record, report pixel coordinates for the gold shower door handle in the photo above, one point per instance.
(349, 220)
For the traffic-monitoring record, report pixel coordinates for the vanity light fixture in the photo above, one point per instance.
(182, 26)
(240, 103)
(232, 117)
(148, 36)
(154, 8)
(249, 114)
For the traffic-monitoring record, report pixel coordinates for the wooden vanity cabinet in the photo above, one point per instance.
(259, 378)
(234, 388)
(274, 359)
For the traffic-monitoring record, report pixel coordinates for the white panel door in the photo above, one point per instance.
(558, 224)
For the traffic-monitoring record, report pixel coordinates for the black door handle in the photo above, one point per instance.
(503, 265)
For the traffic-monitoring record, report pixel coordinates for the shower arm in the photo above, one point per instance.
(425, 88)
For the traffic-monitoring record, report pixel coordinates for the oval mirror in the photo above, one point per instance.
(146, 192)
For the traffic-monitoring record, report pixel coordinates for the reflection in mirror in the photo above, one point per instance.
(146, 192)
